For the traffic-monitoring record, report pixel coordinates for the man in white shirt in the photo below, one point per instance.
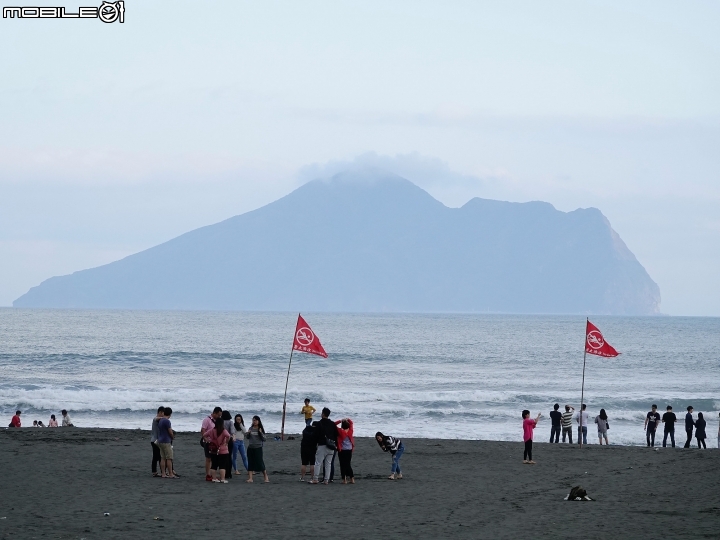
(581, 417)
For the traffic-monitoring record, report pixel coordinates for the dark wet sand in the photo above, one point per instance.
(57, 483)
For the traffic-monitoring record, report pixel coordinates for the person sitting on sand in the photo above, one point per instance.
(700, 430)
(256, 437)
(528, 426)
(396, 448)
(153, 440)
(15, 422)
(345, 446)
(567, 423)
(40, 424)
(308, 448)
(689, 424)
(308, 411)
(217, 441)
(602, 424)
(164, 441)
(35, 423)
(66, 422)
(52, 422)
(652, 419)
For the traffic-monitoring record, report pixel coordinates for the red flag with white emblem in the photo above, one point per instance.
(595, 342)
(306, 340)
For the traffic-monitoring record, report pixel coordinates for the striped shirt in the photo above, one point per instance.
(567, 419)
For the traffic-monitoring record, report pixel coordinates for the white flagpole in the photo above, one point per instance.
(582, 390)
(282, 427)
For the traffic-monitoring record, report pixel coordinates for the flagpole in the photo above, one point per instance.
(282, 427)
(582, 390)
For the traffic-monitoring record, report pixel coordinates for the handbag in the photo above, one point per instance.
(330, 443)
(607, 425)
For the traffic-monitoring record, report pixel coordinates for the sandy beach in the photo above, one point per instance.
(59, 483)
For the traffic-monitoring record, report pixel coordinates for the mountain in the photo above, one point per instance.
(372, 241)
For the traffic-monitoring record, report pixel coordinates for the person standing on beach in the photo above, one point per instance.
(256, 438)
(207, 424)
(556, 421)
(528, 426)
(652, 419)
(230, 428)
(719, 432)
(52, 422)
(396, 447)
(164, 441)
(567, 423)
(700, 430)
(153, 440)
(217, 442)
(602, 424)
(66, 422)
(345, 446)
(239, 446)
(308, 410)
(689, 424)
(327, 435)
(669, 420)
(582, 420)
(308, 448)
(15, 421)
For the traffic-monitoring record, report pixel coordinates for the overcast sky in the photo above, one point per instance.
(115, 137)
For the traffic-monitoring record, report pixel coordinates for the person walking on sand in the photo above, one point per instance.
(15, 421)
(239, 445)
(327, 435)
(166, 434)
(582, 420)
(66, 422)
(346, 445)
(689, 424)
(308, 448)
(308, 410)
(528, 426)
(567, 423)
(652, 419)
(669, 420)
(217, 442)
(154, 438)
(396, 448)
(52, 422)
(207, 424)
(602, 424)
(700, 430)
(256, 438)
(556, 421)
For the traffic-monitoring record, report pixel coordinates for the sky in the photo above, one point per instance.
(116, 137)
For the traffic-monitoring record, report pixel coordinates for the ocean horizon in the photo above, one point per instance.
(432, 375)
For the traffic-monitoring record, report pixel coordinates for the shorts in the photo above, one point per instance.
(166, 450)
(220, 461)
(307, 456)
(208, 455)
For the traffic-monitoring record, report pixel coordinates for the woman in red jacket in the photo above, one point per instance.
(345, 445)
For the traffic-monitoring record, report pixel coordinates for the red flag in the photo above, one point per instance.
(595, 342)
(306, 340)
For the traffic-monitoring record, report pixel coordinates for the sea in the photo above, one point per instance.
(452, 376)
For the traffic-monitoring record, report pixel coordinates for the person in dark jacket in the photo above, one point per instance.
(308, 447)
(700, 430)
(689, 424)
(396, 448)
(326, 432)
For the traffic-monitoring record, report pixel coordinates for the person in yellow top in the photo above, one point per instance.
(308, 411)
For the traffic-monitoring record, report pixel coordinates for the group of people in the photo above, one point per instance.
(561, 422)
(223, 438)
(66, 422)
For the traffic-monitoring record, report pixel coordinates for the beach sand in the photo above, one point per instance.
(58, 483)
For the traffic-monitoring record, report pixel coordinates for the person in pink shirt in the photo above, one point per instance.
(217, 444)
(207, 424)
(528, 427)
(345, 446)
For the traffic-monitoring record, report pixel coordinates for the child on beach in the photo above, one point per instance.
(52, 422)
(396, 448)
(528, 427)
(308, 411)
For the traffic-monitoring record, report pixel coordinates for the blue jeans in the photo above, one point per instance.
(670, 432)
(396, 459)
(308, 421)
(239, 445)
(554, 434)
(582, 430)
